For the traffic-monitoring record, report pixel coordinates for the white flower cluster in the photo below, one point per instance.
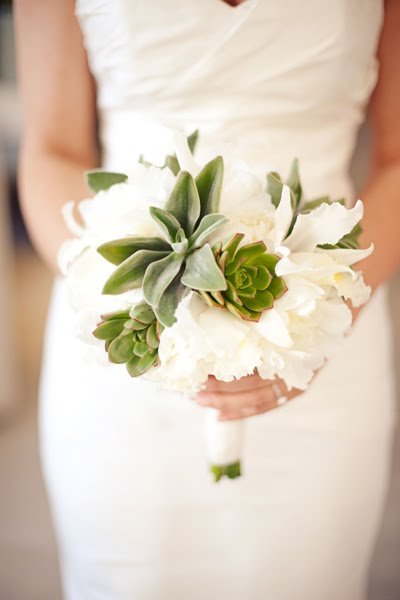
(291, 340)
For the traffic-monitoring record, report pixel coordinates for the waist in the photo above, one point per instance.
(324, 153)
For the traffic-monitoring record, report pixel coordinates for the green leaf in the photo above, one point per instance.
(269, 261)
(248, 253)
(99, 180)
(277, 287)
(166, 222)
(206, 227)
(158, 277)
(117, 251)
(165, 311)
(109, 329)
(294, 183)
(232, 243)
(142, 312)
(152, 337)
(140, 348)
(209, 185)
(202, 271)
(121, 349)
(118, 314)
(172, 163)
(138, 365)
(129, 275)
(192, 140)
(134, 325)
(262, 279)
(261, 301)
(184, 202)
(274, 187)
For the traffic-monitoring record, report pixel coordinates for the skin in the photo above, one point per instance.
(59, 144)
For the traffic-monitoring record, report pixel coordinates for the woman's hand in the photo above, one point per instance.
(244, 397)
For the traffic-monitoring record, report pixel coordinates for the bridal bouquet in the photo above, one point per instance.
(184, 272)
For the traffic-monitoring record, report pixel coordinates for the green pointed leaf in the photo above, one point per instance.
(152, 337)
(165, 311)
(121, 349)
(232, 244)
(261, 301)
(109, 329)
(247, 253)
(294, 183)
(209, 185)
(158, 277)
(184, 202)
(134, 325)
(143, 313)
(202, 271)
(206, 227)
(166, 222)
(172, 163)
(99, 180)
(269, 261)
(117, 251)
(262, 279)
(140, 348)
(192, 140)
(274, 187)
(118, 314)
(138, 365)
(277, 287)
(129, 275)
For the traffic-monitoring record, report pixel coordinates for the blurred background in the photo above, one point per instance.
(28, 561)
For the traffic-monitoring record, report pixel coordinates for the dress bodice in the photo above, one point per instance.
(264, 81)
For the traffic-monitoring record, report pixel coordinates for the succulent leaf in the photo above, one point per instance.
(166, 222)
(202, 271)
(184, 202)
(165, 310)
(117, 251)
(99, 180)
(209, 185)
(293, 181)
(206, 227)
(129, 275)
(159, 275)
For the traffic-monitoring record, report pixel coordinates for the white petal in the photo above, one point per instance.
(273, 328)
(283, 215)
(324, 225)
(347, 256)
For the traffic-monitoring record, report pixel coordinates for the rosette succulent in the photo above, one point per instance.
(131, 337)
(252, 285)
(180, 258)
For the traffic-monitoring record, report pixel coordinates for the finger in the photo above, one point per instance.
(244, 383)
(259, 407)
(238, 400)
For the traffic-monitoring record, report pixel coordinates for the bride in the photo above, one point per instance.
(136, 513)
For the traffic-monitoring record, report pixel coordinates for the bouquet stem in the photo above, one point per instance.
(224, 444)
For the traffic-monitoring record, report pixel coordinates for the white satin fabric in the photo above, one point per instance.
(136, 513)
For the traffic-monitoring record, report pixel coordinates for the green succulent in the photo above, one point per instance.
(131, 337)
(301, 206)
(252, 285)
(180, 258)
(171, 160)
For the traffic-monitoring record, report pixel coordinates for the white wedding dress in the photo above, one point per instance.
(136, 513)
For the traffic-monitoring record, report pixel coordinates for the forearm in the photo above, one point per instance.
(47, 180)
(381, 225)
